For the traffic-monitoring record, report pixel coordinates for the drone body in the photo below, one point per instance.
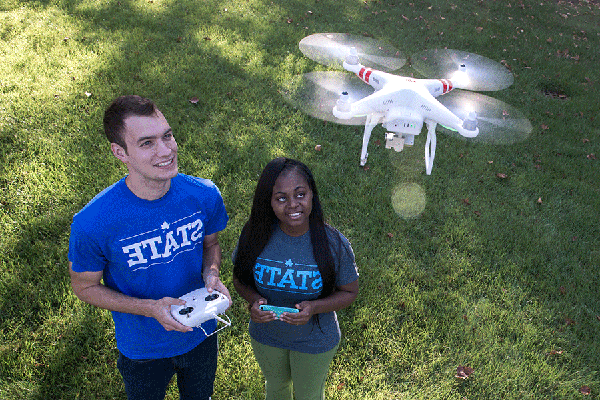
(398, 96)
(402, 105)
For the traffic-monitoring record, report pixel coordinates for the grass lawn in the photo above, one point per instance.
(493, 267)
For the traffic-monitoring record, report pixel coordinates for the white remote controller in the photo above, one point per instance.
(200, 306)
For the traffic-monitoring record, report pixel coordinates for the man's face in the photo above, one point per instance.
(151, 155)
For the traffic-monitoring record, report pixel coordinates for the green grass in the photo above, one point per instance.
(500, 275)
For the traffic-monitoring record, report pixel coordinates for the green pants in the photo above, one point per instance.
(289, 372)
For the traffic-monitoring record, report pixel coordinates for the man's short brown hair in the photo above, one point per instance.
(119, 110)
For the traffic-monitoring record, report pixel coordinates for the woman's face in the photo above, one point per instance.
(292, 203)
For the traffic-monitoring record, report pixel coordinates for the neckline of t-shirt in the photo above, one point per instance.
(144, 202)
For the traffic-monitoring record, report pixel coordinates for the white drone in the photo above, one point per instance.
(403, 104)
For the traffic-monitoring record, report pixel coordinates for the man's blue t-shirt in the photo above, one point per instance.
(149, 250)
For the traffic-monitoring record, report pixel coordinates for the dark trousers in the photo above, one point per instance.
(149, 379)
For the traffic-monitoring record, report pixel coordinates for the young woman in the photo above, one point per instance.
(288, 257)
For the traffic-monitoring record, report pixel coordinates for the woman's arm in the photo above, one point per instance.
(341, 298)
(255, 300)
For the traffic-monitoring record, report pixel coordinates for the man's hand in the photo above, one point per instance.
(213, 282)
(87, 287)
(161, 311)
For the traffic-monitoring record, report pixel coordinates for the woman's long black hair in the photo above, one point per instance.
(258, 229)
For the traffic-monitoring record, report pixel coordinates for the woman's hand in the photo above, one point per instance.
(302, 317)
(259, 316)
(341, 298)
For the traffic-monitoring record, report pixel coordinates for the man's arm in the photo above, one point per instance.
(211, 265)
(87, 287)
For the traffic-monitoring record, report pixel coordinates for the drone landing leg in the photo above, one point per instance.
(430, 147)
(372, 120)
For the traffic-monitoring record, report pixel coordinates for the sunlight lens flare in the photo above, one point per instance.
(409, 200)
(460, 79)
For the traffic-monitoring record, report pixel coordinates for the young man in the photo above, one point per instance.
(143, 242)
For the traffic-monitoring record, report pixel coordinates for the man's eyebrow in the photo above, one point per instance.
(144, 138)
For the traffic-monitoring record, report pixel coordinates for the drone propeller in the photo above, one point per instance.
(498, 122)
(472, 71)
(331, 49)
(316, 93)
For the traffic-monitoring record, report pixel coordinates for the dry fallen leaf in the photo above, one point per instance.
(194, 100)
(463, 372)
(563, 290)
(585, 390)
(318, 147)
(501, 175)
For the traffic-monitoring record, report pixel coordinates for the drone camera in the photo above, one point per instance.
(394, 141)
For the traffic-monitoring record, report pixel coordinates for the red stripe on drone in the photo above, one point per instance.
(363, 76)
(446, 85)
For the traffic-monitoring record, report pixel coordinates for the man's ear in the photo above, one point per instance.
(119, 152)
